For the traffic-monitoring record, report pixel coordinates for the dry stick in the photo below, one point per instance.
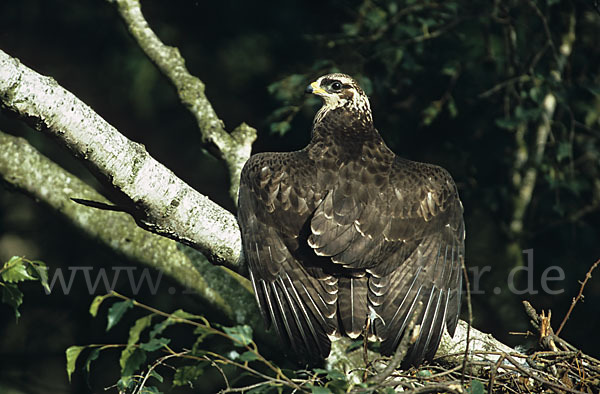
(470, 309)
(579, 296)
(158, 362)
(550, 42)
(450, 387)
(400, 350)
(215, 365)
(493, 374)
(548, 383)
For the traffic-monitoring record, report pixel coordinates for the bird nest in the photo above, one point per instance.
(556, 366)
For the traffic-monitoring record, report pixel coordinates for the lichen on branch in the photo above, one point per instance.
(160, 201)
(234, 148)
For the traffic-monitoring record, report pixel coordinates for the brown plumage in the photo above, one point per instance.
(344, 230)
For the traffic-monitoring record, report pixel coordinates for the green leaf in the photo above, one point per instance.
(202, 333)
(150, 390)
(131, 359)
(507, 123)
(72, 353)
(156, 376)
(91, 357)
(451, 105)
(563, 150)
(15, 270)
(280, 127)
(181, 314)
(241, 335)
(188, 374)
(248, 356)
(356, 344)
(431, 112)
(41, 272)
(334, 374)
(155, 344)
(125, 384)
(137, 328)
(476, 387)
(160, 327)
(12, 296)
(96, 304)
(350, 29)
(116, 311)
(319, 390)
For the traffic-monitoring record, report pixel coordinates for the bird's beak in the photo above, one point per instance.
(315, 89)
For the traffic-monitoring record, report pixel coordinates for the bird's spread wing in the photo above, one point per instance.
(403, 225)
(298, 299)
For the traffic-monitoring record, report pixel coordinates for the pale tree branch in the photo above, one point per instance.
(163, 203)
(27, 170)
(234, 148)
(525, 182)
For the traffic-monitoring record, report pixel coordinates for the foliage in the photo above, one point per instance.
(502, 95)
(19, 269)
(238, 359)
(150, 364)
(466, 85)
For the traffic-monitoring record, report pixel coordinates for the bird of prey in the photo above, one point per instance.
(344, 237)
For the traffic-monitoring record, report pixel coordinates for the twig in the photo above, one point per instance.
(434, 34)
(158, 362)
(549, 39)
(214, 364)
(579, 296)
(401, 350)
(470, 309)
(493, 374)
(547, 383)
(449, 387)
(243, 389)
(205, 324)
(501, 85)
(233, 148)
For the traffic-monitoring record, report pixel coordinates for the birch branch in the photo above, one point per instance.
(526, 183)
(27, 170)
(234, 148)
(164, 204)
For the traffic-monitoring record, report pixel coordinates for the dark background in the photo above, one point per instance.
(255, 59)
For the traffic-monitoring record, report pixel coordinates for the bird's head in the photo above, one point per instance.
(340, 91)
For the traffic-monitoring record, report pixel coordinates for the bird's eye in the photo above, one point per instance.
(336, 86)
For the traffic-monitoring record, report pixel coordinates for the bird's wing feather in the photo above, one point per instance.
(404, 226)
(297, 299)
